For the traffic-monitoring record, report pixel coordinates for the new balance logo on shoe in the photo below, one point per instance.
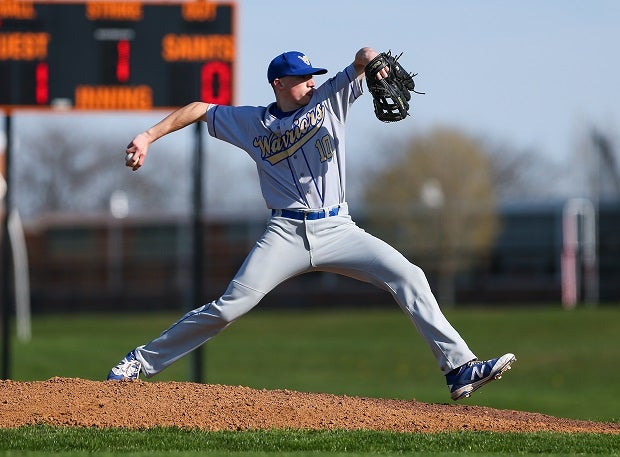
(477, 372)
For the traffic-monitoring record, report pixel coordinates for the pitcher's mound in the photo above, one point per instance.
(138, 404)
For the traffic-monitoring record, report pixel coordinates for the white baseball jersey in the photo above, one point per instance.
(300, 158)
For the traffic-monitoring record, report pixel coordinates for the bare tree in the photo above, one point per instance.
(604, 170)
(522, 174)
(69, 172)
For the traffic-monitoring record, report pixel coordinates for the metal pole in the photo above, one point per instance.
(6, 256)
(197, 369)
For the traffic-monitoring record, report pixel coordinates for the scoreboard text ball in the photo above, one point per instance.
(106, 55)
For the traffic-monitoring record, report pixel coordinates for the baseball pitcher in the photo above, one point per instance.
(298, 145)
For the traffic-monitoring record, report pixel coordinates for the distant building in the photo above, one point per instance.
(98, 263)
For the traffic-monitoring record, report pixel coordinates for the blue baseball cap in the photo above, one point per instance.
(292, 63)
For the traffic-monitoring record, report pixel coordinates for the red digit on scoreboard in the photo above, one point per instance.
(122, 61)
(41, 86)
(215, 83)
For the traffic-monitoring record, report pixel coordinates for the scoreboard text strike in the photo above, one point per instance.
(104, 55)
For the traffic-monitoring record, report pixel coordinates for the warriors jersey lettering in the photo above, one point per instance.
(275, 148)
(300, 163)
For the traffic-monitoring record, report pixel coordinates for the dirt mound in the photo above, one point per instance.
(138, 404)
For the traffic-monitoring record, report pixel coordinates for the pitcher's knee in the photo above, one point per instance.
(415, 274)
(237, 301)
(420, 273)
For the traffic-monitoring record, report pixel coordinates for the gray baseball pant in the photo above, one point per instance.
(290, 247)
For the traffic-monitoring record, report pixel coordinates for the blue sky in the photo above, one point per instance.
(531, 73)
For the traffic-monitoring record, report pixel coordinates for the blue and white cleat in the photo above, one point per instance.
(128, 369)
(475, 374)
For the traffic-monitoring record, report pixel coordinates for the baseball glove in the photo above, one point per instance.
(391, 95)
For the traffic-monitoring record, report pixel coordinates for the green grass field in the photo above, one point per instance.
(565, 368)
(71, 442)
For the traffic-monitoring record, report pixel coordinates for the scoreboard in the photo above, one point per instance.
(111, 55)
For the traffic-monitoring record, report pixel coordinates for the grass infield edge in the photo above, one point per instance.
(59, 439)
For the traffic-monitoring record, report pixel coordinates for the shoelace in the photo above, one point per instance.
(130, 367)
(469, 364)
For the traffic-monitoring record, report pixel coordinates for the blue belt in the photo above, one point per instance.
(305, 215)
